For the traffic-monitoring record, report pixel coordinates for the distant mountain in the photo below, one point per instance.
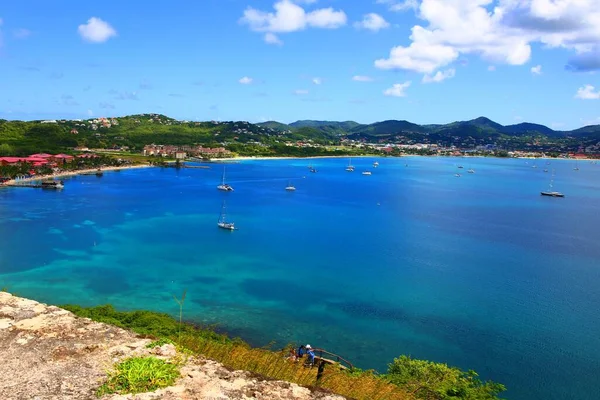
(528, 128)
(345, 125)
(479, 128)
(278, 126)
(386, 128)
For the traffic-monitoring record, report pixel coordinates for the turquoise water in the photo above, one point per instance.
(478, 271)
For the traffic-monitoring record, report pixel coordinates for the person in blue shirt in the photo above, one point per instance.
(311, 354)
(301, 351)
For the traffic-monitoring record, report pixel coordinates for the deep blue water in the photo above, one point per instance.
(478, 271)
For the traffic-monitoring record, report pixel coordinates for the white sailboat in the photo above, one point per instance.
(376, 164)
(222, 222)
(576, 165)
(350, 167)
(550, 192)
(224, 186)
(290, 187)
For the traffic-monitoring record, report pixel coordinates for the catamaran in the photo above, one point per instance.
(350, 167)
(550, 192)
(224, 186)
(222, 222)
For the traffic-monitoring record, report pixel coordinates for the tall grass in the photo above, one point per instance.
(236, 354)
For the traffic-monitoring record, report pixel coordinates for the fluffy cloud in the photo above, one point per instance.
(587, 92)
(317, 81)
(96, 31)
(400, 5)
(362, 78)
(290, 17)
(439, 76)
(537, 70)
(272, 38)
(500, 31)
(587, 61)
(246, 80)
(373, 22)
(397, 89)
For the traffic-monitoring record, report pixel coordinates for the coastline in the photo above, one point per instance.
(73, 173)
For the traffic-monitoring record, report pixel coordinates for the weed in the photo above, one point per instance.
(159, 343)
(139, 375)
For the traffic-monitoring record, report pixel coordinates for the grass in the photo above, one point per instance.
(139, 375)
(236, 354)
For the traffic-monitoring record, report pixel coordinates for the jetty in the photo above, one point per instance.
(38, 185)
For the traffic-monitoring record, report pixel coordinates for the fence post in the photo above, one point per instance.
(320, 372)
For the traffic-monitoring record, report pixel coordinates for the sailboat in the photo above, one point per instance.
(290, 187)
(576, 165)
(550, 192)
(222, 222)
(376, 164)
(224, 186)
(350, 167)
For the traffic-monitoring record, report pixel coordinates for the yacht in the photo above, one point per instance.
(471, 171)
(350, 167)
(366, 173)
(222, 222)
(224, 186)
(290, 187)
(550, 192)
(375, 164)
(457, 175)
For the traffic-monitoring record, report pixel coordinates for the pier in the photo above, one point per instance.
(38, 185)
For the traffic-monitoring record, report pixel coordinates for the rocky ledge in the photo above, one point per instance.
(49, 353)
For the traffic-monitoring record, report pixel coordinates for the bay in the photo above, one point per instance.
(479, 271)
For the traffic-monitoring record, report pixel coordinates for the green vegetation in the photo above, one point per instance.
(139, 375)
(131, 133)
(159, 343)
(437, 381)
(401, 382)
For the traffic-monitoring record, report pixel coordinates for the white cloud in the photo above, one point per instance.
(90, 113)
(492, 68)
(362, 78)
(537, 70)
(500, 31)
(397, 89)
(300, 92)
(317, 81)
(246, 80)
(21, 33)
(439, 76)
(96, 30)
(290, 17)
(399, 5)
(373, 22)
(272, 38)
(587, 93)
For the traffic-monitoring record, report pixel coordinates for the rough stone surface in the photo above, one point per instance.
(49, 353)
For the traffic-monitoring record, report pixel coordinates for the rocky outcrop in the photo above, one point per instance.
(49, 353)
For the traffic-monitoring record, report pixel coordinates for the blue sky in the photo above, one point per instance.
(426, 61)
